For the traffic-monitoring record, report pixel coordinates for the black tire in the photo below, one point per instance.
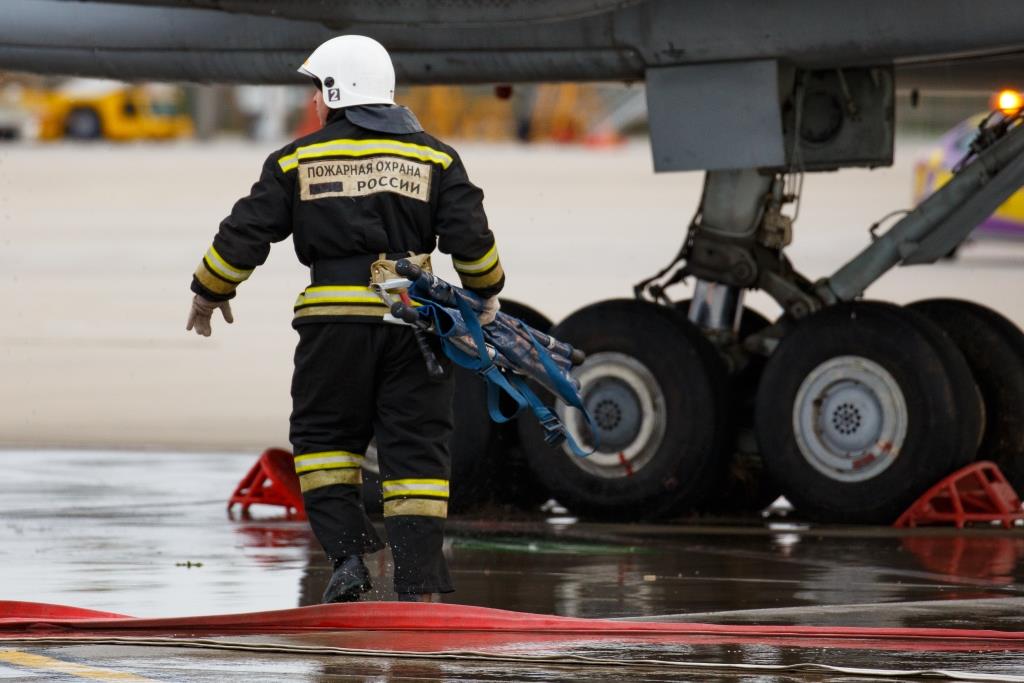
(848, 379)
(994, 349)
(472, 443)
(486, 461)
(83, 123)
(514, 483)
(529, 315)
(657, 389)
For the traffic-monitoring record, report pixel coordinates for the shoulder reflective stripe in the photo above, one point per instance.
(416, 507)
(481, 264)
(218, 265)
(327, 460)
(361, 148)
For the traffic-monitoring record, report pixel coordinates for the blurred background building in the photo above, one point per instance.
(32, 107)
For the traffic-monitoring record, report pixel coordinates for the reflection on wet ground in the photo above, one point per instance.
(146, 534)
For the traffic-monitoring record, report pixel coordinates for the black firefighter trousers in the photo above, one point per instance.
(354, 381)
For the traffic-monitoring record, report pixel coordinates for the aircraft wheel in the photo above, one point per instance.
(994, 349)
(656, 389)
(862, 407)
(486, 460)
(83, 123)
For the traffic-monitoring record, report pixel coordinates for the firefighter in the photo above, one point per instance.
(369, 187)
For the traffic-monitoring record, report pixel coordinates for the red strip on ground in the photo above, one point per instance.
(23, 618)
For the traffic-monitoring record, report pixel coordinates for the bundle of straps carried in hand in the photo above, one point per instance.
(505, 353)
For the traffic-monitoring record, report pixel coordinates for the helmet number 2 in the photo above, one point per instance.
(333, 94)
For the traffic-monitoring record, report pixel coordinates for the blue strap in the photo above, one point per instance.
(481, 363)
(555, 433)
(514, 386)
(566, 391)
(498, 382)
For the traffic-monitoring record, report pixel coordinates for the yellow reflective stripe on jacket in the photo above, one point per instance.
(213, 282)
(362, 148)
(216, 263)
(481, 264)
(431, 488)
(342, 310)
(339, 294)
(327, 460)
(329, 294)
(483, 281)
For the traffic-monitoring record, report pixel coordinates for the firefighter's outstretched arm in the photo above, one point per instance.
(462, 230)
(242, 243)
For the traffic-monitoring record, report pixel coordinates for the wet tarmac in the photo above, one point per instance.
(147, 534)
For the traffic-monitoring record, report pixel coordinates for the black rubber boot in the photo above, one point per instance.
(350, 579)
(417, 597)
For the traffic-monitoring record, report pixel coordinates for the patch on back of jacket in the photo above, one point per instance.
(349, 177)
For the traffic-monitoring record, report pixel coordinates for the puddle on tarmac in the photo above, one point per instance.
(117, 531)
(147, 534)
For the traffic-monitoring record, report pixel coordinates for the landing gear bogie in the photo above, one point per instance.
(862, 407)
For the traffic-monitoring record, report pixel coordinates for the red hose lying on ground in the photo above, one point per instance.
(25, 619)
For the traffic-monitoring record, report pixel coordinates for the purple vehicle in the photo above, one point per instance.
(935, 171)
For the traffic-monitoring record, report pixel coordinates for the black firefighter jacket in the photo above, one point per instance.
(369, 182)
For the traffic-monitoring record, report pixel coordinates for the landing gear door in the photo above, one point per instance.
(715, 116)
(758, 114)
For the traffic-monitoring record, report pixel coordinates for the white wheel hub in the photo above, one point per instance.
(629, 413)
(850, 419)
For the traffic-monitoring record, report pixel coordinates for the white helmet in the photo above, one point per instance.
(352, 70)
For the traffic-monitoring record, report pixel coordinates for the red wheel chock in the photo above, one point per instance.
(976, 493)
(271, 481)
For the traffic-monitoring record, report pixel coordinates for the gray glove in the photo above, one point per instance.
(489, 310)
(202, 311)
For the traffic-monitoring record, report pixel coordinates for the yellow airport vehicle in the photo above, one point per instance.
(89, 109)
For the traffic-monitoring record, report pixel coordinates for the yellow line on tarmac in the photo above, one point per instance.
(31, 661)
